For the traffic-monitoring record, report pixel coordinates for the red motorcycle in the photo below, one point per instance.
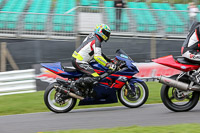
(178, 92)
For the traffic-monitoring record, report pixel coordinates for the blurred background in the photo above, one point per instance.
(35, 31)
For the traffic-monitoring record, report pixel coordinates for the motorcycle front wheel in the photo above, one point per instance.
(136, 98)
(177, 100)
(57, 102)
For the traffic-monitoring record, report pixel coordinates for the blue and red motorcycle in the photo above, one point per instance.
(121, 84)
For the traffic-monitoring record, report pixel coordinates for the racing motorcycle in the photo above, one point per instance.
(178, 92)
(120, 84)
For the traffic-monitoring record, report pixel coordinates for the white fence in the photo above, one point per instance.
(19, 81)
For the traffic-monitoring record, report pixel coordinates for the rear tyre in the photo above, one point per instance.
(176, 100)
(134, 99)
(57, 102)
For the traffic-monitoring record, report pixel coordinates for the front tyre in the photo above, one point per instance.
(135, 98)
(177, 100)
(57, 102)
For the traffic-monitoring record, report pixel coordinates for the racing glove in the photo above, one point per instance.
(111, 66)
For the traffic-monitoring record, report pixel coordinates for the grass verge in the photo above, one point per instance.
(33, 102)
(180, 128)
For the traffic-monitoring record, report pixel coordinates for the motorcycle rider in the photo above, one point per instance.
(88, 50)
(190, 49)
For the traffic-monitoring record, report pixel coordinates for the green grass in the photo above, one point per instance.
(33, 102)
(181, 128)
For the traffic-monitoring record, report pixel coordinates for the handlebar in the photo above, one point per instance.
(118, 63)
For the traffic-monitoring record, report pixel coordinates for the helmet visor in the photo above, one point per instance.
(106, 33)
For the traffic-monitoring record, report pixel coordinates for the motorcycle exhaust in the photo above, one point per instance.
(75, 96)
(63, 91)
(177, 84)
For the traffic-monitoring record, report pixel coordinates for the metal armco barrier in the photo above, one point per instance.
(15, 82)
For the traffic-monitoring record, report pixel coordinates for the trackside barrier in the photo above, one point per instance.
(19, 81)
(150, 71)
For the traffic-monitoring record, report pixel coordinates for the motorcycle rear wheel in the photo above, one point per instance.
(175, 103)
(56, 101)
(137, 100)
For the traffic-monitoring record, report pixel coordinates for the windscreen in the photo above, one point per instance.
(122, 54)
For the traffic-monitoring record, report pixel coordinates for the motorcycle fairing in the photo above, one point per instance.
(170, 62)
(104, 95)
(107, 82)
(135, 80)
(105, 92)
(57, 69)
(130, 64)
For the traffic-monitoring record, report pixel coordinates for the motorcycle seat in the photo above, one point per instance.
(184, 60)
(69, 69)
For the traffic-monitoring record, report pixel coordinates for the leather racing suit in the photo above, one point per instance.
(88, 50)
(190, 49)
(191, 45)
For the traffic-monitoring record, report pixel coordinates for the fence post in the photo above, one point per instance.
(3, 56)
(11, 60)
(6, 54)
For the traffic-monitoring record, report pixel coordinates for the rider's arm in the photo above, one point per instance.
(98, 56)
(105, 57)
(100, 59)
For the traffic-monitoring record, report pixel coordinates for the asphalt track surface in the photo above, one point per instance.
(146, 115)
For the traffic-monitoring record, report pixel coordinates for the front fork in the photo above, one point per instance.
(127, 89)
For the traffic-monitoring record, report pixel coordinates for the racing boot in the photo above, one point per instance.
(91, 80)
(75, 89)
(82, 82)
(87, 83)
